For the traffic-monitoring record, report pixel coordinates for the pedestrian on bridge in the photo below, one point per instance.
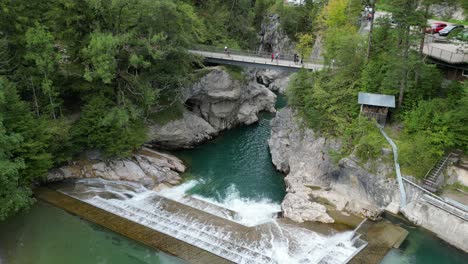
(277, 56)
(272, 56)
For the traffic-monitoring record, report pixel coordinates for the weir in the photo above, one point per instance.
(228, 235)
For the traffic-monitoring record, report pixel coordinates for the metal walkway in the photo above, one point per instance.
(255, 59)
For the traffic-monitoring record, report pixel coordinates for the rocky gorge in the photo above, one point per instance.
(317, 182)
(216, 102)
(313, 175)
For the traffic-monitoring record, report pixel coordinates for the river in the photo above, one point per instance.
(233, 170)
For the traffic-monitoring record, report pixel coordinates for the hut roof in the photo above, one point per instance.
(376, 99)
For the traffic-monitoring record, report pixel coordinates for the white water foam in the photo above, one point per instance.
(270, 242)
(249, 212)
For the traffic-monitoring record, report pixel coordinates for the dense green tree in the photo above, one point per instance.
(105, 126)
(13, 195)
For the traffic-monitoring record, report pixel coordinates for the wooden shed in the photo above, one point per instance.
(375, 106)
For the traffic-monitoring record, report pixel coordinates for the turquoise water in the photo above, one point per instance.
(423, 247)
(48, 235)
(237, 160)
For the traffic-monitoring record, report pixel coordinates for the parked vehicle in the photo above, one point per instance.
(436, 27)
(449, 29)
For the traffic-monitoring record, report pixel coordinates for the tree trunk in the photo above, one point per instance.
(36, 105)
(404, 79)
(421, 47)
(369, 41)
(52, 106)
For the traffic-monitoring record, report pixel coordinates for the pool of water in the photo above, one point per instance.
(423, 247)
(48, 235)
(236, 162)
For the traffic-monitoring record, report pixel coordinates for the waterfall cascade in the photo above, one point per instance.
(237, 229)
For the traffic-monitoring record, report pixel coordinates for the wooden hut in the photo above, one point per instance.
(375, 106)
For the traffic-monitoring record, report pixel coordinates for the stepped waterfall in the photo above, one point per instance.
(237, 229)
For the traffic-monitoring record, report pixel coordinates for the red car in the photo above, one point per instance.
(436, 27)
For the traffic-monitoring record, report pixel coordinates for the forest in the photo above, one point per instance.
(77, 75)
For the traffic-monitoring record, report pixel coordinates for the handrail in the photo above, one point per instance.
(283, 55)
(452, 57)
(447, 207)
(256, 60)
(446, 158)
(434, 196)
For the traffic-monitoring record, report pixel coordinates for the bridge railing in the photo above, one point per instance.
(286, 56)
(448, 56)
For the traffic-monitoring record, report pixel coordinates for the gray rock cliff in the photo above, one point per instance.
(181, 133)
(304, 156)
(216, 102)
(276, 81)
(148, 167)
(272, 37)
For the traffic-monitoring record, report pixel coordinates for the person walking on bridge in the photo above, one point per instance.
(226, 51)
(277, 56)
(272, 56)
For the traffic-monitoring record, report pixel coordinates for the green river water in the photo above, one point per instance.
(237, 160)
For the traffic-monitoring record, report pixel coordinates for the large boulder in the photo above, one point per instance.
(148, 167)
(217, 101)
(274, 80)
(225, 102)
(299, 207)
(348, 185)
(181, 133)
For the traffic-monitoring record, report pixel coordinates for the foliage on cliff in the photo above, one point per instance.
(84, 74)
(88, 74)
(433, 115)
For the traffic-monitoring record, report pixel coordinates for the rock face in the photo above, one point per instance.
(311, 173)
(447, 11)
(216, 102)
(299, 208)
(272, 37)
(349, 186)
(276, 81)
(225, 102)
(182, 133)
(148, 167)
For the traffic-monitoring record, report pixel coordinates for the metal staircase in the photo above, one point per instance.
(434, 178)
